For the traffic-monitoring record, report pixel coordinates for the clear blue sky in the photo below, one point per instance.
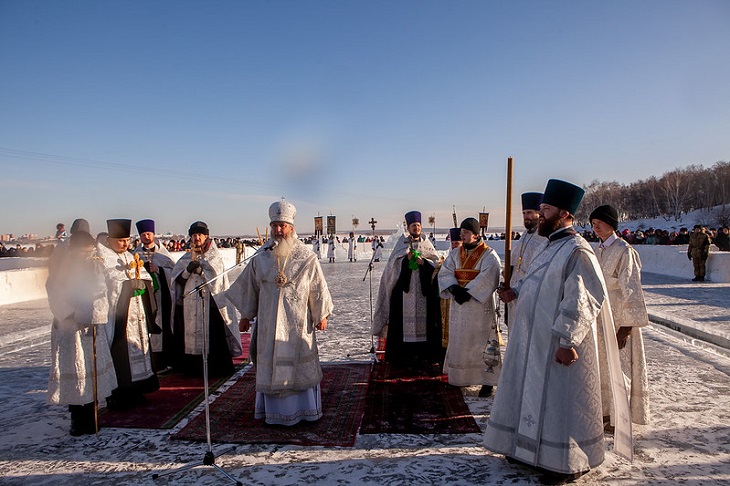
(181, 110)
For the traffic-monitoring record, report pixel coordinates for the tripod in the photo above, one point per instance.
(208, 457)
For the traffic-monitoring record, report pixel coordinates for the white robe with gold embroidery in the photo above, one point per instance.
(473, 323)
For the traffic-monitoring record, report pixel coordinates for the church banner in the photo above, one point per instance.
(331, 227)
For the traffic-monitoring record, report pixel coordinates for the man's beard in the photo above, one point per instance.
(415, 236)
(547, 226)
(530, 224)
(284, 246)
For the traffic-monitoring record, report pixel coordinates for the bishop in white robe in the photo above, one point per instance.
(284, 290)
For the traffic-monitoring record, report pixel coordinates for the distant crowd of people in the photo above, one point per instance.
(719, 237)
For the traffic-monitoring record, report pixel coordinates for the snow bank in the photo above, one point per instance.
(19, 285)
(23, 279)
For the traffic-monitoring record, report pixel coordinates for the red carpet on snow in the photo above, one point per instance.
(411, 402)
(177, 396)
(231, 414)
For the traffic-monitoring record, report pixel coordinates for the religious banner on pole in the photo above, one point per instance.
(318, 227)
(483, 222)
(331, 227)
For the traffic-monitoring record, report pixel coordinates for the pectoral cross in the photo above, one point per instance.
(136, 265)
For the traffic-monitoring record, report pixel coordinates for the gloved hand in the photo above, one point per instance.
(194, 267)
(461, 295)
(689, 256)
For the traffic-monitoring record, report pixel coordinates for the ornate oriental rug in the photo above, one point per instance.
(231, 414)
(177, 396)
(408, 402)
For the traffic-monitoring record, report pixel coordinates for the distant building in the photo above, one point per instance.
(7, 237)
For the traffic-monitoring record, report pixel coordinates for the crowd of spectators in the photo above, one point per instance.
(719, 237)
(18, 250)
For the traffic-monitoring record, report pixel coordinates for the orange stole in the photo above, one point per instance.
(466, 273)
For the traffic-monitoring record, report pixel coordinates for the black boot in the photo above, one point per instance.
(89, 424)
(77, 426)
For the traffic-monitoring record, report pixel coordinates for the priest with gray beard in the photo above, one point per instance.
(283, 291)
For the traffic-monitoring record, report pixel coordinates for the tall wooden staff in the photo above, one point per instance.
(507, 272)
(508, 229)
(96, 393)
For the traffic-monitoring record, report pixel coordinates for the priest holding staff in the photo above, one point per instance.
(284, 289)
(548, 411)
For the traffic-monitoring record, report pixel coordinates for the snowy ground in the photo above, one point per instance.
(687, 441)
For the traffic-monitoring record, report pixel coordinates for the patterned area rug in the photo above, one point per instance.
(231, 414)
(414, 402)
(177, 396)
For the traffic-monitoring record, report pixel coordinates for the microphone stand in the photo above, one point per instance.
(369, 271)
(208, 457)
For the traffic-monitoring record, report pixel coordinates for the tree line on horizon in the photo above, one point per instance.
(675, 193)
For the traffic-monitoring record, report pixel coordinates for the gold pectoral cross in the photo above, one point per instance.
(136, 265)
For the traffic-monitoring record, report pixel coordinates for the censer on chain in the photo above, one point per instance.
(492, 355)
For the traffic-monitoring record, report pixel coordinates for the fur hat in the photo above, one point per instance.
(282, 212)
(607, 214)
(563, 195)
(198, 227)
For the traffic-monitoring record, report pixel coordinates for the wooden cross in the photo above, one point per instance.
(136, 265)
(372, 223)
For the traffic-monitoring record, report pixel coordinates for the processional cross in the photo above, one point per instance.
(372, 224)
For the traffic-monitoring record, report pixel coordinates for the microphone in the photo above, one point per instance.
(271, 246)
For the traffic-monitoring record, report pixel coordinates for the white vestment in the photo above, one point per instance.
(524, 251)
(212, 264)
(288, 372)
(77, 298)
(547, 414)
(473, 323)
(621, 268)
(352, 246)
(331, 248)
(414, 302)
(316, 248)
(162, 258)
(118, 275)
